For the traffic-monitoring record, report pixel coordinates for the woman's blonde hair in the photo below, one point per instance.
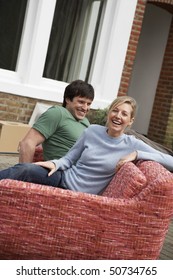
(124, 99)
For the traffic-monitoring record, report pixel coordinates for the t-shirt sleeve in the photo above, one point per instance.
(48, 122)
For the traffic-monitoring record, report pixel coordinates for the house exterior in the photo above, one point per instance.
(121, 47)
(148, 69)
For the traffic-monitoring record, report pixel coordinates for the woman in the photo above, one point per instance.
(92, 162)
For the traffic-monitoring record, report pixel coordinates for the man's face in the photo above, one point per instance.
(78, 107)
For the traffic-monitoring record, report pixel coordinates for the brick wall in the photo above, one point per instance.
(17, 108)
(161, 124)
(132, 47)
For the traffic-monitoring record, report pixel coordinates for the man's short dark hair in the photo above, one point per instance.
(78, 88)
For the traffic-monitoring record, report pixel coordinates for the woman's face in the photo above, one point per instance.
(119, 117)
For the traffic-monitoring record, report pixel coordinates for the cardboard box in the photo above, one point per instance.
(10, 135)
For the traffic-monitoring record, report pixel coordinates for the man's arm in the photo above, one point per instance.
(28, 144)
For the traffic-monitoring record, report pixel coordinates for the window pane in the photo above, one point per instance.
(73, 39)
(12, 14)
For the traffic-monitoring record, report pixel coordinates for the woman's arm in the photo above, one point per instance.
(145, 152)
(130, 157)
(72, 156)
(67, 161)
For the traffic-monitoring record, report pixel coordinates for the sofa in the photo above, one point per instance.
(128, 221)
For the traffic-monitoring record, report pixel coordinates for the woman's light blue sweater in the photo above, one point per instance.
(90, 164)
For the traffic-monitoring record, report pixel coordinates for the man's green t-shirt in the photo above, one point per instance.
(61, 131)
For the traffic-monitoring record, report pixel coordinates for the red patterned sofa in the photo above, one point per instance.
(128, 221)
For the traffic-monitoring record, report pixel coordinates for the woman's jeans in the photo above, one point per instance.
(29, 172)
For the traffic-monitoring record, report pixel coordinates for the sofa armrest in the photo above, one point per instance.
(153, 170)
(126, 183)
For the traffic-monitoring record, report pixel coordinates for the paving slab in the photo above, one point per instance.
(7, 160)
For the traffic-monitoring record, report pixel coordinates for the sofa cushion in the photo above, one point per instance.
(127, 182)
(38, 155)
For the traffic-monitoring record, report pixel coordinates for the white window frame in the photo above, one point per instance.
(108, 60)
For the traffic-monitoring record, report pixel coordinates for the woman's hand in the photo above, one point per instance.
(128, 158)
(47, 164)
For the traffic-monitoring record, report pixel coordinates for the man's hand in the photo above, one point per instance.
(128, 158)
(47, 164)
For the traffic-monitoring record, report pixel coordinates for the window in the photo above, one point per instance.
(12, 14)
(48, 46)
(73, 39)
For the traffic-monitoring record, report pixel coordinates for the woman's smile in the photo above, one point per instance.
(118, 119)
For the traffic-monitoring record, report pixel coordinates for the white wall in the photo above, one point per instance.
(148, 63)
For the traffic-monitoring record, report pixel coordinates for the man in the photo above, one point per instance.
(60, 126)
